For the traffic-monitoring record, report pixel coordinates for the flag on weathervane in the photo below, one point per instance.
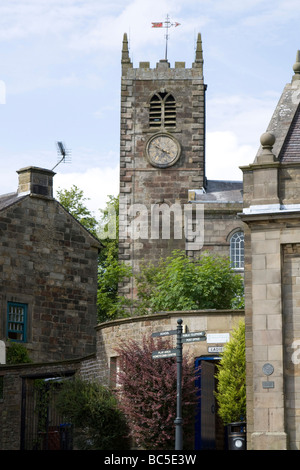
(161, 25)
(167, 25)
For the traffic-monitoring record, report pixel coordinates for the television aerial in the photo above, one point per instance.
(63, 153)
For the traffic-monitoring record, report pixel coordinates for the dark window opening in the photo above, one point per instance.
(162, 110)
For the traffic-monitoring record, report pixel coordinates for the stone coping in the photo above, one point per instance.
(171, 314)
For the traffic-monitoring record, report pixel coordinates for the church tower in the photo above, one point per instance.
(162, 154)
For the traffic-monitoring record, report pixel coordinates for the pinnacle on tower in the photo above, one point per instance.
(125, 52)
(199, 52)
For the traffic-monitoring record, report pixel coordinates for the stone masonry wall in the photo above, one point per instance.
(111, 334)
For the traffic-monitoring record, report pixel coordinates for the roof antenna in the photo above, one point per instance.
(63, 153)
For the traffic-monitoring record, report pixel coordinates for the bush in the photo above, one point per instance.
(93, 410)
(231, 376)
(149, 391)
(16, 353)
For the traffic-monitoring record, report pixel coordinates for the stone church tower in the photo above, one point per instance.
(162, 153)
(166, 201)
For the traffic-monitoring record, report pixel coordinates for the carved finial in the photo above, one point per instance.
(267, 141)
(296, 67)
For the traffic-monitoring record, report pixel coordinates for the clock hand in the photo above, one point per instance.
(160, 148)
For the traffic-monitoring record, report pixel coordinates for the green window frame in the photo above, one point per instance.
(17, 322)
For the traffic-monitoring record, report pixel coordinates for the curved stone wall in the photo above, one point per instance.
(216, 323)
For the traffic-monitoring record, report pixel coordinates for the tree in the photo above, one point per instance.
(148, 394)
(93, 410)
(73, 201)
(231, 378)
(180, 283)
(111, 272)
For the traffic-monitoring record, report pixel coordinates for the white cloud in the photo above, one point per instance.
(96, 184)
(225, 154)
(246, 116)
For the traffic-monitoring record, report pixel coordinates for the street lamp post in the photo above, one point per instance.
(178, 419)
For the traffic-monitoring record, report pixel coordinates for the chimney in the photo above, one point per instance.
(35, 181)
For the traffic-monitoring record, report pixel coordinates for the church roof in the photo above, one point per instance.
(285, 122)
(290, 151)
(219, 191)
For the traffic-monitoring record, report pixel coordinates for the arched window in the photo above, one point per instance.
(237, 250)
(162, 110)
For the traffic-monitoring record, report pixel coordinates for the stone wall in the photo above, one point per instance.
(111, 334)
(291, 335)
(272, 331)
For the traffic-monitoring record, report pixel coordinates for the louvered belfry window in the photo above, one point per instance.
(162, 110)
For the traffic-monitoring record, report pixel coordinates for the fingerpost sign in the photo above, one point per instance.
(182, 338)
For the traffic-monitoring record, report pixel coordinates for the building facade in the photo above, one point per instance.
(48, 273)
(272, 216)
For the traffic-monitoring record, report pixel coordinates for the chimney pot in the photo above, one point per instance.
(35, 181)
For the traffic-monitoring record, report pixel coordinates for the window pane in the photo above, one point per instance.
(237, 250)
(16, 321)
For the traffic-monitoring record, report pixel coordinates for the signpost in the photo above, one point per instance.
(164, 333)
(162, 354)
(182, 338)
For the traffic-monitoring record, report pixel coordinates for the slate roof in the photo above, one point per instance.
(290, 151)
(219, 191)
(8, 199)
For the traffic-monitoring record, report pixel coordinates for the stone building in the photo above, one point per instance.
(48, 289)
(48, 272)
(272, 248)
(166, 200)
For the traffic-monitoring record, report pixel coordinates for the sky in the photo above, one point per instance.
(60, 80)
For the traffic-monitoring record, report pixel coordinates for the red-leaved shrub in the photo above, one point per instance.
(148, 394)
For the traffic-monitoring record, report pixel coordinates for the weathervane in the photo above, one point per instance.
(165, 24)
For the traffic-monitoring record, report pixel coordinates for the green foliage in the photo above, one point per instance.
(16, 353)
(73, 201)
(93, 410)
(179, 283)
(110, 304)
(231, 377)
(111, 272)
(108, 229)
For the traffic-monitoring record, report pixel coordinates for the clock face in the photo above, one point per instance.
(162, 150)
